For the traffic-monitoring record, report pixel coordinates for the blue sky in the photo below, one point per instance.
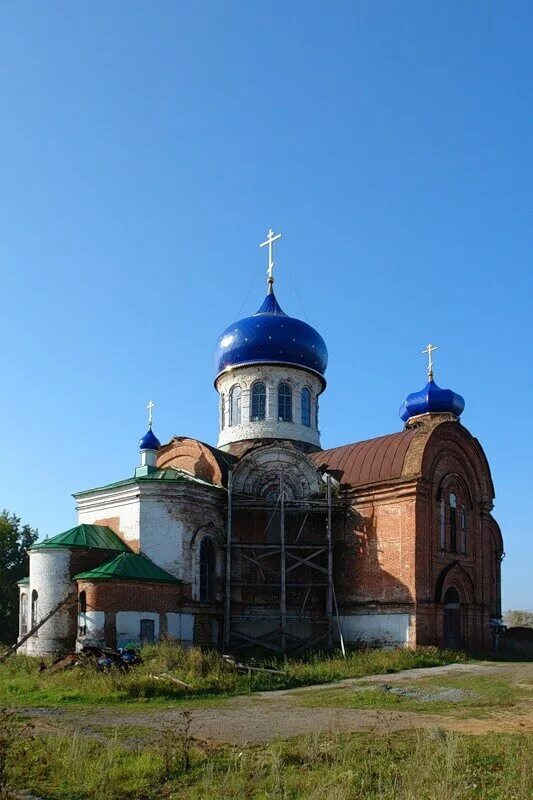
(145, 148)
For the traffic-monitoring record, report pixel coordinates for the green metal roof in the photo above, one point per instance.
(170, 474)
(128, 566)
(24, 582)
(97, 537)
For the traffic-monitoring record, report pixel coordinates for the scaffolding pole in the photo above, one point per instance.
(227, 606)
(329, 602)
(283, 593)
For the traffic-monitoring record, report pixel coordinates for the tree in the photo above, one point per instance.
(519, 619)
(15, 539)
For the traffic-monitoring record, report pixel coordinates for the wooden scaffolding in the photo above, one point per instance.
(279, 593)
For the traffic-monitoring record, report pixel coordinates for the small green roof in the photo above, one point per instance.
(24, 581)
(95, 537)
(128, 566)
(169, 474)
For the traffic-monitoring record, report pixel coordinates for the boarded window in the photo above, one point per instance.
(23, 614)
(147, 632)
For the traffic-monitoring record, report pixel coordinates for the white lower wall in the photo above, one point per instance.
(129, 626)
(94, 622)
(180, 626)
(390, 630)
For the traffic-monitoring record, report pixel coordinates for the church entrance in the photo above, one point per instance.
(453, 639)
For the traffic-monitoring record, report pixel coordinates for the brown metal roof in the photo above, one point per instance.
(365, 462)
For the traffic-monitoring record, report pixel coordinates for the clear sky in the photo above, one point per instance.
(146, 147)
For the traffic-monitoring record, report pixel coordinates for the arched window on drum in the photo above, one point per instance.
(258, 405)
(306, 407)
(284, 403)
(235, 406)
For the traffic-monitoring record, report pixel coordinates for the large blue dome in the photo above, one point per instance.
(271, 337)
(432, 399)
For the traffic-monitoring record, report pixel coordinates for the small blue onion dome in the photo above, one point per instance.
(149, 441)
(430, 400)
(270, 336)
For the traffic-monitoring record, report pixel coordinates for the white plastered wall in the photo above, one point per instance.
(181, 626)
(389, 630)
(120, 504)
(50, 578)
(269, 428)
(129, 626)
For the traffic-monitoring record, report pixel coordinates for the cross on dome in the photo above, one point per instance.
(429, 350)
(271, 238)
(150, 405)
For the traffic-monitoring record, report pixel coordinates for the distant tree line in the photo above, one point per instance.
(518, 619)
(15, 538)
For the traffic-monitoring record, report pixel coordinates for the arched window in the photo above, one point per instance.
(316, 413)
(306, 407)
(284, 403)
(235, 406)
(258, 408)
(23, 613)
(207, 570)
(453, 523)
(462, 519)
(82, 610)
(222, 411)
(442, 525)
(34, 599)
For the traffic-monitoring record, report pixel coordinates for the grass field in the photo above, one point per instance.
(417, 765)
(81, 746)
(207, 673)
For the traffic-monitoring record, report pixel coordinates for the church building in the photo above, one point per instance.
(266, 543)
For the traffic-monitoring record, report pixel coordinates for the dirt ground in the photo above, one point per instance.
(267, 715)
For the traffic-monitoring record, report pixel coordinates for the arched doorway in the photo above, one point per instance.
(453, 637)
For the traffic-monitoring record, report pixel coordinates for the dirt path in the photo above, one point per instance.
(267, 715)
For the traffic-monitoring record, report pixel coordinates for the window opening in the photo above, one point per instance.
(82, 611)
(207, 570)
(463, 531)
(284, 403)
(235, 406)
(34, 601)
(147, 631)
(306, 407)
(258, 409)
(23, 614)
(453, 523)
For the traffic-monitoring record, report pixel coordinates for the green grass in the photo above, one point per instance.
(483, 694)
(409, 766)
(209, 676)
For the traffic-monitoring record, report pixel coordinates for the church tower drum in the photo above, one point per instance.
(269, 375)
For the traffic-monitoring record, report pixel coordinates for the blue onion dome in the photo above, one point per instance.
(149, 441)
(432, 400)
(271, 337)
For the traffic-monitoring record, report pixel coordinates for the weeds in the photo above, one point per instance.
(206, 673)
(424, 765)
